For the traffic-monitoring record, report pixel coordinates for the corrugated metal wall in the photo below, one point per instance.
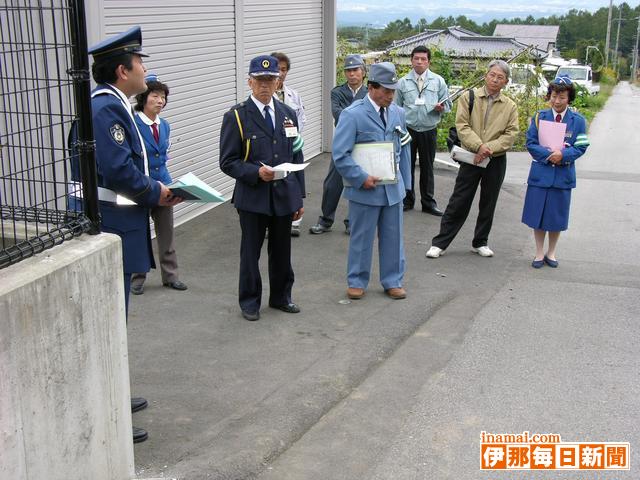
(295, 28)
(196, 47)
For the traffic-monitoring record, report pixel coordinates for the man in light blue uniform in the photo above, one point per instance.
(372, 206)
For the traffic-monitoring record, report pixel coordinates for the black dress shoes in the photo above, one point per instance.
(433, 211)
(287, 308)
(139, 435)
(137, 289)
(177, 285)
(251, 316)
(137, 404)
(406, 207)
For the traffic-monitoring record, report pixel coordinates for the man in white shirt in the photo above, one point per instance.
(291, 98)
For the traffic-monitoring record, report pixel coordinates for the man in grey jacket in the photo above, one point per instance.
(341, 97)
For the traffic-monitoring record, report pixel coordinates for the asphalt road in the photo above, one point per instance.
(383, 389)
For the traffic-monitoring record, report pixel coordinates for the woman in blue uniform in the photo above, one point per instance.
(552, 175)
(156, 133)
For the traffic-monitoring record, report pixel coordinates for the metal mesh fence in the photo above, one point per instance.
(40, 89)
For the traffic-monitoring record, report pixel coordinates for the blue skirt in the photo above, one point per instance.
(547, 208)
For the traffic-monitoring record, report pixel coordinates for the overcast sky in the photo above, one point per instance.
(380, 12)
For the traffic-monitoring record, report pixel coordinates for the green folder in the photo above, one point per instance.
(192, 189)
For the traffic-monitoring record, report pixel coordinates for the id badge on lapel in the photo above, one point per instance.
(290, 130)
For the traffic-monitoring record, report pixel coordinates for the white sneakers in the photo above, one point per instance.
(483, 251)
(434, 252)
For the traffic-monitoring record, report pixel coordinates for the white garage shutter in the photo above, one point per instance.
(295, 28)
(192, 49)
(196, 48)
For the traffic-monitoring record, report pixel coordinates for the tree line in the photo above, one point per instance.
(578, 30)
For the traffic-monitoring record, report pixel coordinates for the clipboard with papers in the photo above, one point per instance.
(551, 134)
(192, 189)
(378, 159)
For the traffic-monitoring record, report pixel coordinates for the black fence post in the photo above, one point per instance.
(82, 92)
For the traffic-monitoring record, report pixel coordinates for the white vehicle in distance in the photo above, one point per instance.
(580, 74)
(525, 76)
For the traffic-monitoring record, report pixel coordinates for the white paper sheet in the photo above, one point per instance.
(465, 156)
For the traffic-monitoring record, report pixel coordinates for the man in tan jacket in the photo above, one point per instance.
(489, 131)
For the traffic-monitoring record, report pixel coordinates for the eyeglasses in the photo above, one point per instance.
(496, 76)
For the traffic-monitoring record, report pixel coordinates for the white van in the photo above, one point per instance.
(580, 74)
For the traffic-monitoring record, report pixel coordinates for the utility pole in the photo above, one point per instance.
(606, 48)
(635, 55)
(615, 53)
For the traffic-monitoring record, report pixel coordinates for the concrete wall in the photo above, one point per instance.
(64, 380)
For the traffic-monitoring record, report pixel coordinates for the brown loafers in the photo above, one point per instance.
(355, 293)
(397, 293)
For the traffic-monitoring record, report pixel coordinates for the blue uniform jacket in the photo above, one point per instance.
(279, 197)
(360, 123)
(342, 97)
(120, 165)
(157, 153)
(544, 173)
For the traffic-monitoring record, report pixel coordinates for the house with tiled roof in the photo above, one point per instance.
(543, 37)
(463, 46)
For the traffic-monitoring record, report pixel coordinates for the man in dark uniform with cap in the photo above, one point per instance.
(256, 135)
(125, 190)
(341, 97)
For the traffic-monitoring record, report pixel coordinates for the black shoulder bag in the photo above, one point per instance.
(453, 138)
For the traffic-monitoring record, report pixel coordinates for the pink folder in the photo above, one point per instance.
(551, 134)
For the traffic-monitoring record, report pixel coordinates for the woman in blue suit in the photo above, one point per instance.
(553, 174)
(156, 133)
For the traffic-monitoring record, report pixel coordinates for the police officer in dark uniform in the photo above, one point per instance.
(256, 135)
(125, 189)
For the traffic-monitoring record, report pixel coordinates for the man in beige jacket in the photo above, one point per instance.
(489, 132)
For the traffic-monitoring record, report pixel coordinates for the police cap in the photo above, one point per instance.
(563, 80)
(126, 42)
(353, 61)
(384, 73)
(264, 65)
(152, 77)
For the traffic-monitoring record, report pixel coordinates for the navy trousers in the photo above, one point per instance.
(254, 226)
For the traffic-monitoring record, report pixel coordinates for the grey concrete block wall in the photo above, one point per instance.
(64, 378)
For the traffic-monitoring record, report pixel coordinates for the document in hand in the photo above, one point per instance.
(378, 160)
(192, 189)
(284, 169)
(551, 134)
(465, 156)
